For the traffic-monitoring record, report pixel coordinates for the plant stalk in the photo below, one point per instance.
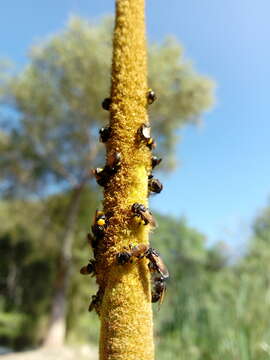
(126, 311)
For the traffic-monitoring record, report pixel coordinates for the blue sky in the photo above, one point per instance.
(224, 175)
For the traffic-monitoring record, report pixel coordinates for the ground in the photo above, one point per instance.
(64, 353)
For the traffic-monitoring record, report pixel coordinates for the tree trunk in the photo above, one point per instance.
(57, 324)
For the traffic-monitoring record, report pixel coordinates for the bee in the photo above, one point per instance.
(139, 210)
(114, 163)
(137, 251)
(96, 301)
(123, 258)
(155, 161)
(159, 289)
(144, 132)
(156, 263)
(103, 175)
(98, 228)
(106, 103)
(151, 96)
(89, 268)
(154, 185)
(104, 134)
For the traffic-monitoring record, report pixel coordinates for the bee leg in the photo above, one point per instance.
(137, 217)
(140, 257)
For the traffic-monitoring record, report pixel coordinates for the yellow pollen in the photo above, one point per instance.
(101, 222)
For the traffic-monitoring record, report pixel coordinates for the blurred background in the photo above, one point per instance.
(209, 65)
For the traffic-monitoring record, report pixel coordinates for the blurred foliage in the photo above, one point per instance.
(212, 309)
(215, 310)
(31, 245)
(52, 107)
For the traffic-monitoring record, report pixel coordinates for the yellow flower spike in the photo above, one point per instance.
(126, 311)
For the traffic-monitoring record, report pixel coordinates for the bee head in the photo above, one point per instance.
(151, 96)
(123, 258)
(106, 103)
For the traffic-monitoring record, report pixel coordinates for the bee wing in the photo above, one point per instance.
(90, 239)
(162, 296)
(91, 305)
(150, 218)
(165, 271)
(139, 250)
(154, 223)
(146, 131)
(162, 268)
(95, 217)
(84, 270)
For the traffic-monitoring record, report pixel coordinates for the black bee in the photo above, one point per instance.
(123, 258)
(103, 175)
(159, 288)
(114, 163)
(155, 161)
(137, 251)
(140, 211)
(151, 97)
(154, 185)
(156, 264)
(98, 228)
(145, 131)
(89, 268)
(96, 301)
(104, 134)
(106, 103)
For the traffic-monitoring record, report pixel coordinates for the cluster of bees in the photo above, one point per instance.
(155, 265)
(134, 252)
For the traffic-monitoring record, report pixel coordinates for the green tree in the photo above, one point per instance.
(252, 303)
(29, 239)
(50, 142)
(214, 309)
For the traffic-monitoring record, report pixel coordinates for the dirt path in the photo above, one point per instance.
(64, 353)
